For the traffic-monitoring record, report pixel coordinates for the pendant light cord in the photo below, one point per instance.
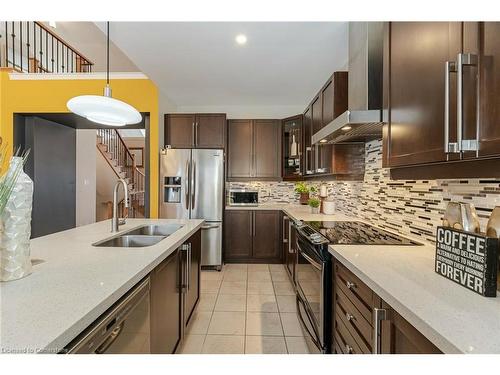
(107, 55)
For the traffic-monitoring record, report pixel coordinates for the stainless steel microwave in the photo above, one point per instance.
(243, 197)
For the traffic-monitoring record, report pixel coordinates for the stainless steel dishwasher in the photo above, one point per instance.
(123, 329)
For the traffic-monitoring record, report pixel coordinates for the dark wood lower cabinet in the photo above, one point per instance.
(238, 235)
(193, 287)
(266, 235)
(173, 299)
(398, 336)
(166, 306)
(252, 236)
(354, 330)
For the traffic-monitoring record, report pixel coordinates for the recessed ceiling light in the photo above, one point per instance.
(347, 127)
(323, 141)
(241, 39)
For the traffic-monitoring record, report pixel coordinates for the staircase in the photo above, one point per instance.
(118, 156)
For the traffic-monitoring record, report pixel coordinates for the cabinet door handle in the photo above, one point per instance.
(450, 67)
(378, 316)
(349, 317)
(188, 284)
(285, 220)
(350, 285)
(467, 59)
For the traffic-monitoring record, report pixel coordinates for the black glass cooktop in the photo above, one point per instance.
(357, 233)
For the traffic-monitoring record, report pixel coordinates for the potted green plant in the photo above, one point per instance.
(314, 203)
(303, 189)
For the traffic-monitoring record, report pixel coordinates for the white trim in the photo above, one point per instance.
(75, 76)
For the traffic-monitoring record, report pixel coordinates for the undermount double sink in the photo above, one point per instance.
(143, 236)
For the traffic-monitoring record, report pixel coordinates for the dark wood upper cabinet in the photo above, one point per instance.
(179, 130)
(195, 130)
(308, 149)
(489, 73)
(267, 239)
(254, 149)
(210, 130)
(238, 235)
(240, 149)
(334, 97)
(423, 109)
(316, 114)
(418, 54)
(267, 136)
(292, 148)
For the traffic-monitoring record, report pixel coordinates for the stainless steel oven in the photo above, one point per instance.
(313, 278)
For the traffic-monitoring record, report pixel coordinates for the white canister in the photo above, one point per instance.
(328, 207)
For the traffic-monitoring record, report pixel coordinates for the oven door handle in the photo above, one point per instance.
(312, 261)
(313, 337)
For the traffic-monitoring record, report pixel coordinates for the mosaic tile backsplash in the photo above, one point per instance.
(409, 207)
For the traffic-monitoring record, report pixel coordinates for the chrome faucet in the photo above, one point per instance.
(116, 221)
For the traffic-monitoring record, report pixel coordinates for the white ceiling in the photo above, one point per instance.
(199, 64)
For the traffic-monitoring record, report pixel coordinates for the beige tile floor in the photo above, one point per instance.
(245, 309)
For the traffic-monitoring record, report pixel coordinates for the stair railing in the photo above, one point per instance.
(124, 159)
(31, 47)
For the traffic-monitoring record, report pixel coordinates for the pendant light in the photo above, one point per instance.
(104, 109)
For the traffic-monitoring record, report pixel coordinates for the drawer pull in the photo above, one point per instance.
(348, 349)
(349, 317)
(350, 285)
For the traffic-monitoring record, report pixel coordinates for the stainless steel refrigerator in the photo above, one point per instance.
(192, 187)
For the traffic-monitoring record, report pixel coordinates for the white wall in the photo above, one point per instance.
(89, 40)
(247, 111)
(85, 176)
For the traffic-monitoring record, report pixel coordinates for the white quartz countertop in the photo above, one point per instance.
(73, 283)
(455, 319)
(295, 211)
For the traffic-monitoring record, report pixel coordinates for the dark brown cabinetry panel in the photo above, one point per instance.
(266, 240)
(400, 337)
(415, 71)
(240, 149)
(254, 149)
(193, 291)
(238, 235)
(179, 130)
(210, 130)
(334, 97)
(252, 236)
(308, 149)
(166, 306)
(267, 145)
(354, 310)
(489, 72)
(196, 130)
(418, 52)
(316, 114)
(292, 164)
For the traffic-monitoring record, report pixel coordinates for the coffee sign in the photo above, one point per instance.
(468, 259)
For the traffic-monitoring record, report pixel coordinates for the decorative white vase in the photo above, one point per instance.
(15, 229)
(315, 210)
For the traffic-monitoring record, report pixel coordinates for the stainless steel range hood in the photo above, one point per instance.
(363, 119)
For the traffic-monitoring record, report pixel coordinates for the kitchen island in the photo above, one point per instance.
(73, 283)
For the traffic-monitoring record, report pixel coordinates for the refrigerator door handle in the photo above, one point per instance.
(193, 184)
(186, 184)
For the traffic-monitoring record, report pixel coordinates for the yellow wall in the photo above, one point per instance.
(51, 95)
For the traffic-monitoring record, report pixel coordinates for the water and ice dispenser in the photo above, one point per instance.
(172, 189)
